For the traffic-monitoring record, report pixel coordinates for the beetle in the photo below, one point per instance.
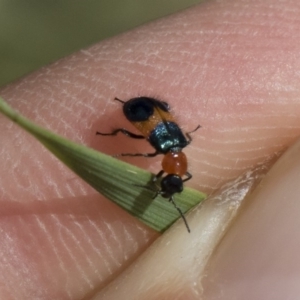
(157, 125)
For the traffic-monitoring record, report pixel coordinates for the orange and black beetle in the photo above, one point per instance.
(157, 125)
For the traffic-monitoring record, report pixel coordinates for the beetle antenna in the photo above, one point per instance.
(119, 100)
(158, 192)
(181, 214)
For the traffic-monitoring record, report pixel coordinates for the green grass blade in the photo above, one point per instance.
(114, 179)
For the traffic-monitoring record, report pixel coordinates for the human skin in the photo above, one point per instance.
(231, 66)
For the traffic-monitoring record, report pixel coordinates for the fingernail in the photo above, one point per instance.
(259, 256)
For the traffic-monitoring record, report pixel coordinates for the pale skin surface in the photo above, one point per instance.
(231, 66)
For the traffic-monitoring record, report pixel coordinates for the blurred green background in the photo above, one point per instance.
(36, 32)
